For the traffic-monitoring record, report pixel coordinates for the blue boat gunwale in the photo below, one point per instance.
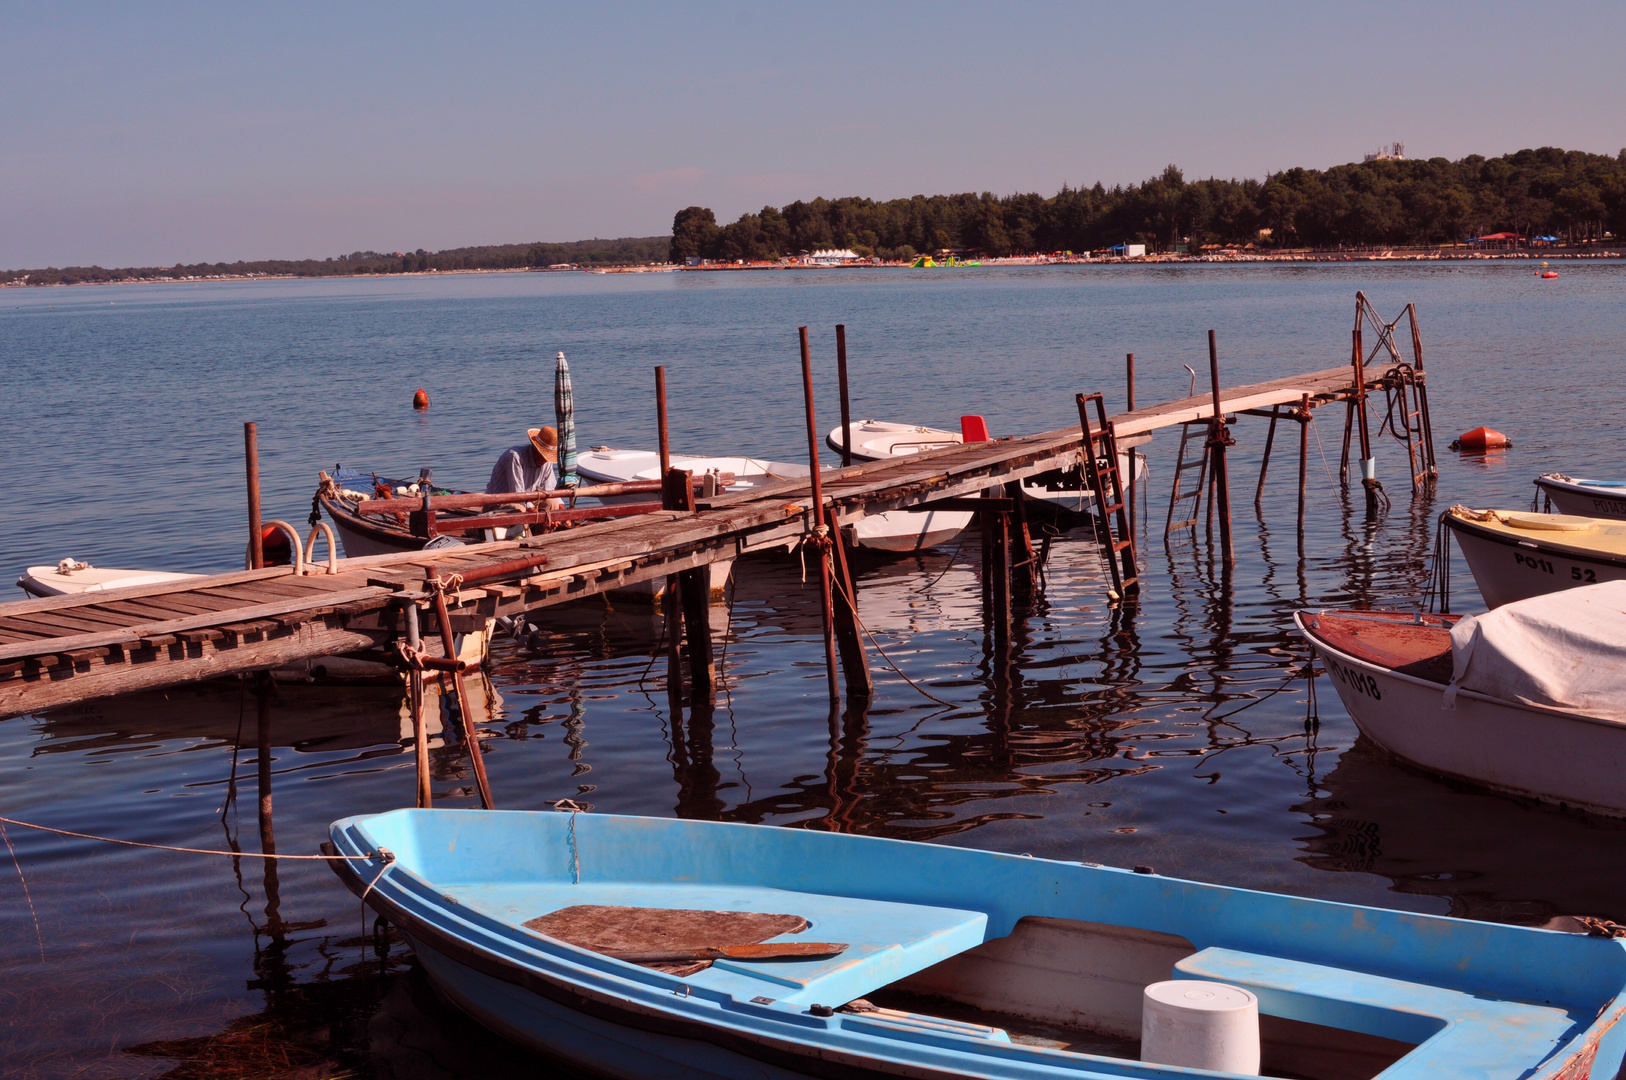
(611, 989)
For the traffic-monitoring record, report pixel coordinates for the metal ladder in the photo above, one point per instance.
(1182, 466)
(1106, 484)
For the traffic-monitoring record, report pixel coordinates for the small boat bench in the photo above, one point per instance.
(1458, 1034)
(885, 941)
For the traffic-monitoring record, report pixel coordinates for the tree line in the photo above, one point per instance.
(1568, 193)
(626, 251)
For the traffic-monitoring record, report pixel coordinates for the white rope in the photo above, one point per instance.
(369, 857)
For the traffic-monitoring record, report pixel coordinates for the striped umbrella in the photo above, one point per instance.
(564, 411)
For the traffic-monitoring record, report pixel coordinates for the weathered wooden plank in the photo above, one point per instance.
(57, 624)
(34, 692)
(194, 622)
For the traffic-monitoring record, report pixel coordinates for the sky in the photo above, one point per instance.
(149, 134)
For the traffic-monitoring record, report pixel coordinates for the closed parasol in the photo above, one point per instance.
(564, 410)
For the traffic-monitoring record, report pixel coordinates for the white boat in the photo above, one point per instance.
(1515, 554)
(1590, 498)
(1529, 699)
(894, 531)
(1065, 492)
(70, 577)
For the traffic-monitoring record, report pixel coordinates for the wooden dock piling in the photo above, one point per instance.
(819, 533)
(251, 460)
(1217, 443)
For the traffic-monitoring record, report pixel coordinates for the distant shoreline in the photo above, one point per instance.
(1230, 258)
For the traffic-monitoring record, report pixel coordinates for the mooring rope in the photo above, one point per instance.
(854, 609)
(368, 857)
(27, 895)
(575, 853)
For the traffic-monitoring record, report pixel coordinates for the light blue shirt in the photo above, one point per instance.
(517, 470)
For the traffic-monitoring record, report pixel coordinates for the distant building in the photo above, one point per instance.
(833, 257)
(1129, 251)
(1392, 152)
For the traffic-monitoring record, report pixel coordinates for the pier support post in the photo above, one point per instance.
(846, 410)
(693, 594)
(1369, 472)
(671, 603)
(849, 639)
(471, 736)
(1217, 444)
(1264, 461)
(420, 727)
(251, 459)
(1024, 559)
(821, 531)
(1129, 364)
(1305, 420)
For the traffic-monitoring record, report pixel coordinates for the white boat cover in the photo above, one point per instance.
(1564, 650)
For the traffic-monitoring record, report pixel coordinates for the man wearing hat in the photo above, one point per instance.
(528, 467)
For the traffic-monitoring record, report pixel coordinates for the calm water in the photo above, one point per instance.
(1176, 738)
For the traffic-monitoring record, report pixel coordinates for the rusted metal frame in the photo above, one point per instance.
(471, 735)
(1264, 461)
(1217, 443)
(534, 517)
(1024, 559)
(846, 411)
(1107, 487)
(251, 460)
(820, 537)
(478, 501)
(1181, 467)
(1420, 383)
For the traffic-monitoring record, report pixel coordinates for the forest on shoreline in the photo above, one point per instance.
(627, 251)
(1576, 196)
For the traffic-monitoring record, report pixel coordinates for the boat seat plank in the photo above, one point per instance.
(1460, 1034)
(885, 940)
(605, 928)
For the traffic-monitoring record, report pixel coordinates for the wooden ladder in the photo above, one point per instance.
(1106, 484)
(1183, 466)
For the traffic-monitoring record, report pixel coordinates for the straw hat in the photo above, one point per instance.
(546, 442)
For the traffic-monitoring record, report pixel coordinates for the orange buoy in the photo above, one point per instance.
(420, 400)
(274, 546)
(1550, 274)
(1482, 438)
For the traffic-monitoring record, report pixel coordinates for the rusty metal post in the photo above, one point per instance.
(420, 726)
(671, 604)
(817, 517)
(268, 840)
(1305, 421)
(1264, 462)
(1369, 471)
(1002, 581)
(1221, 437)
(854, 661)
(251, 457)
(465, 713)
(846, 411)
(1129, 364)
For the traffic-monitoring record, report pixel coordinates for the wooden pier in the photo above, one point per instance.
(61, 650)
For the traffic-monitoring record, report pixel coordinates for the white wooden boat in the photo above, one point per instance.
(1529, 699)
(1589, 498)
(899, 532)
(71, 576)
(1515, 554)
(1062, 492)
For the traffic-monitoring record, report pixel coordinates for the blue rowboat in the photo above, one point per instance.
(957, 962)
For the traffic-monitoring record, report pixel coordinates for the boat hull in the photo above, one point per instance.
(1585, 500)
(1526, 750)
(904, 532)
(1507, 569)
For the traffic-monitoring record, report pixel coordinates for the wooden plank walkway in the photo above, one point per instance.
(59, 650)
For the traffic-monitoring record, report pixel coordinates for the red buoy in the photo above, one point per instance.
(1482, 438)
(420, 400)
(1550, 274)
(275, 547)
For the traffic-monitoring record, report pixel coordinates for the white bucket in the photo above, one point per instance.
(1200, 1025)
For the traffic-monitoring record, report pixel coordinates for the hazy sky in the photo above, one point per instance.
(138, 134)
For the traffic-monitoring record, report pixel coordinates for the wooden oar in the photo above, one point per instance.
(773, 950)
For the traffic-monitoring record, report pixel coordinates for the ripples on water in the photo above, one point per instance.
(1174, 738)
